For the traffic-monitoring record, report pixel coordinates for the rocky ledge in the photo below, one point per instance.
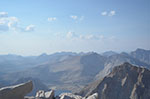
(16, 91)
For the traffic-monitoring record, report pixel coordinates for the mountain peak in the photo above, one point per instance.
(125, 80)
(142, 54)
(125, 65)
(141, 50)
(43, 54)
(109, 53)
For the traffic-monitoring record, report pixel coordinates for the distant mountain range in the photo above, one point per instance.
(67, 69)
(123, 82)
(13, 63)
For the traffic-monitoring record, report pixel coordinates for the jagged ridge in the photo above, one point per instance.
(124, 82)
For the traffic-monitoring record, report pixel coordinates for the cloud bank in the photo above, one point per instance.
(12, 23)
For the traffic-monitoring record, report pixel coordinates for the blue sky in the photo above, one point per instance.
(32, 27)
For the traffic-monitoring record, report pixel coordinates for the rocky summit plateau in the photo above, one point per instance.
(125, 81)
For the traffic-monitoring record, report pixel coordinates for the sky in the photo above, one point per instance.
(33, 27)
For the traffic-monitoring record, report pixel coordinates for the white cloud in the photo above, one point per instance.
(74, 17)
(11, 23)
(91, 37)
(71, 35)
(30, 28)
(112, 13)
(3, 14)
(77, 18)
(87, 36)
(104, 13)
(52, 19)
(8, 23)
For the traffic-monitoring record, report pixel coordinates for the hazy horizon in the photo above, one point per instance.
(31, 27)
(71, 52)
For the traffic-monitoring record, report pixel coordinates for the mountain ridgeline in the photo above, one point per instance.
(124, 82)
(67, 70)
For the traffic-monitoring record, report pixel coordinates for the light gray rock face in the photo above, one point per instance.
(40, 94)
(73, 96)
(94, 96)
(124, 82)
(29, 97)
(69, 96)
(44, 95)
(17, 91)
(49, 95)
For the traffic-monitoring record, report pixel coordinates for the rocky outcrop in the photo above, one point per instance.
(124, 82)
(44, 95)
(37, 85)
(94, 96)
(17, 91)
(68, 96)
(73, 96)
(50, 95)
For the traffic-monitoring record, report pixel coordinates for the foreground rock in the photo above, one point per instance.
(73, 96)
(124, 82)
(50, 95)
(17, 91)
(94, 96)
(37, 85)
(45, 95)
(69, 96)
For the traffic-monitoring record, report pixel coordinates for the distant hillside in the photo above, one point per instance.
(14, 63)
(71, 70)
(79, 69)
(109, 53)
(119, 59)
(142, 55)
